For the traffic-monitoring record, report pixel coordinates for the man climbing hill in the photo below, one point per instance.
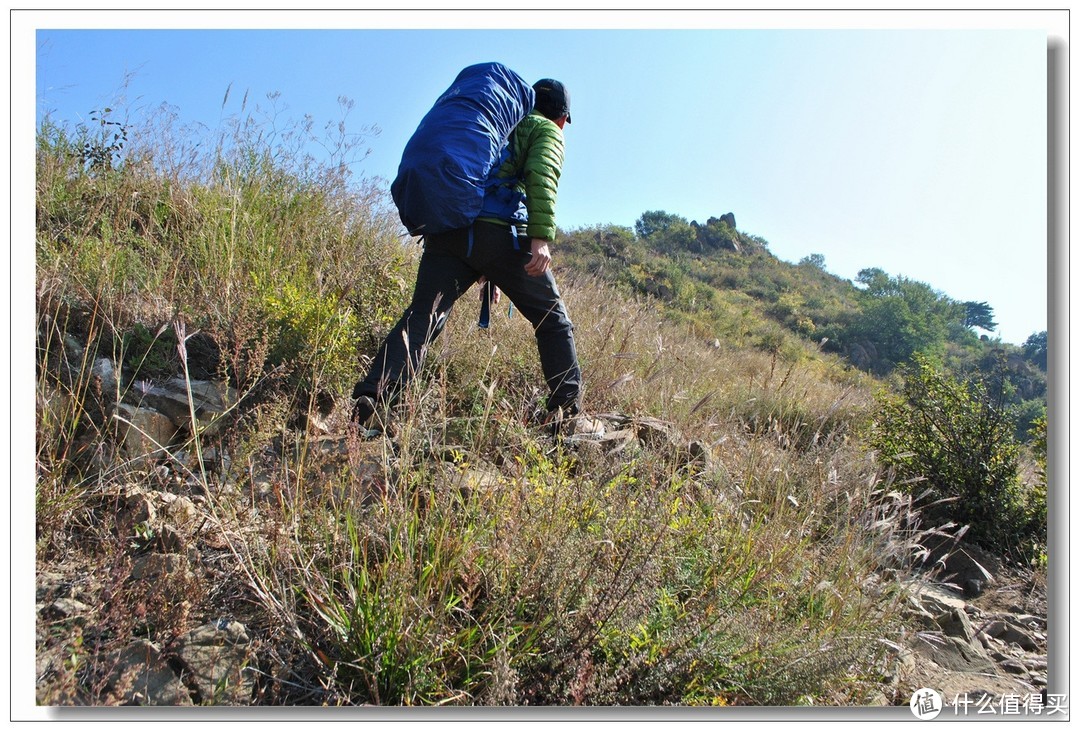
(508, 245)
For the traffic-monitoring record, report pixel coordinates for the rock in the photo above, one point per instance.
(974, 647)
(618, 440)
(658, 289)
(955, 623)
(318, 423)
(105, 370)
(877, 699)
(966, 566)
(74, 347)
(216, 655)
(1007, 630)
(168, 540)
(1030, 621)
(326, 445)
(921, 618)
(51, 583)
(137, 515)
(698, 451)
(161, 566)
(214, 460)
(1015, 667)
(480, 478)
(209, 400)
(143, 677)
(144, 432)
(1015, 636)
(953, 653)
(349, 470)
(180, 511)
(67, 609)
(318, 416)
(1036, 664)
(655, 433)
(933, 598)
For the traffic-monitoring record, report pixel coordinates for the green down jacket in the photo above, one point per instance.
(536, 157)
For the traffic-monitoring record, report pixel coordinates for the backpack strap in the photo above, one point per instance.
(485, 305)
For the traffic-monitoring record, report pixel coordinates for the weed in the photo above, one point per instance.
(468, 559)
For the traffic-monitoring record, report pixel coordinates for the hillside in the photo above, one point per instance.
(726, 285)
(207, 532)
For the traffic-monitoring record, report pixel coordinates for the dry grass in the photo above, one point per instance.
(471, 560)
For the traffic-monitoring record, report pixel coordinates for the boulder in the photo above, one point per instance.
(965, 566)
(145, 434)
(209, 400)
(162, 567)
(953, 653)
(216, 656)
(143, 677)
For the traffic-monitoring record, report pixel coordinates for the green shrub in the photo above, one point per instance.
(311, 329)
(953, 442)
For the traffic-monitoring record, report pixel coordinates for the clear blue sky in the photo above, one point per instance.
(922, 152)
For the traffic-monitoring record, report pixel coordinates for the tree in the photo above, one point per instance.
(817, 261)
(666, 231)
(1035, 349)
(877, 282)
(980, 315)
(653, 222)
(901, 317)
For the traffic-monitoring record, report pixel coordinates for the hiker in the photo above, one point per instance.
(511, 249)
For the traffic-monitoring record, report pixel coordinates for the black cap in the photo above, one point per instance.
(552, 99)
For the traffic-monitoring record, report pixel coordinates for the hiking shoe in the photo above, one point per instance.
(573, 427)
(365, 419)
(587, 428)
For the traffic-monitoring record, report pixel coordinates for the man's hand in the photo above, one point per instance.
(540, 261)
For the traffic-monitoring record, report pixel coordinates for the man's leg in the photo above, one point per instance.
(538, 300)
(441, 278)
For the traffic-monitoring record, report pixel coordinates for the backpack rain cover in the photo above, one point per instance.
(462, 140)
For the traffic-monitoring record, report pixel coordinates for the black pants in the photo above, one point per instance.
(451, 263)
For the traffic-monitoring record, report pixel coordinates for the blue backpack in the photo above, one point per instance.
(446, 168)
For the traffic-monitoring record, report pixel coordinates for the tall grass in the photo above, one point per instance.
(730, 555)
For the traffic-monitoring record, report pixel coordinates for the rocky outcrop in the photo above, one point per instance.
(151, 419)
(154, 421)
(971, 650)
(208, 666)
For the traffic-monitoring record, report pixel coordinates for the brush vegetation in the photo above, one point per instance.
(491, 566)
